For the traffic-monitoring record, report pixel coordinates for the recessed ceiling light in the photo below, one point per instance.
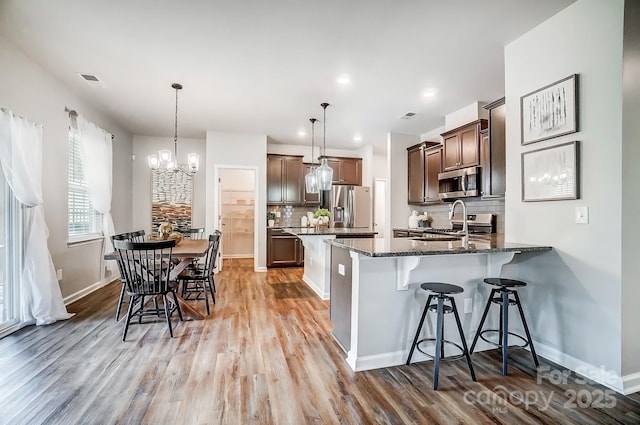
(302, 133)
(344, 79)
(357, 138)
(429, 93)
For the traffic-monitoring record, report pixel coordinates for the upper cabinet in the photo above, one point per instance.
(285, 179)
(424, 164)
(492, 151)
(461, 146)
(347, 171)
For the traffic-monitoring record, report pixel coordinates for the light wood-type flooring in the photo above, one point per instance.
(265, 356)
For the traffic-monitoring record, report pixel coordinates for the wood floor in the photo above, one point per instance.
(264, 356)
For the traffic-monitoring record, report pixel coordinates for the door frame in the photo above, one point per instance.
(217, 199)
(385, 182)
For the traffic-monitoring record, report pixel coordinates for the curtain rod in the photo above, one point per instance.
(74, 114)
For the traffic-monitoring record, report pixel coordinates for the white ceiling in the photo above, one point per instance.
(258, 66)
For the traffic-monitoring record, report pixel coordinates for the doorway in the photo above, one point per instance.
(237, 212)
(379, 207)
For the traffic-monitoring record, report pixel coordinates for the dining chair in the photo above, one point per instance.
(196, 233)
(147, 272)
(137, 236)
(200, 280)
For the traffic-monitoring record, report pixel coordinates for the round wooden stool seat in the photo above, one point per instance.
(505, 283)
(442, 288)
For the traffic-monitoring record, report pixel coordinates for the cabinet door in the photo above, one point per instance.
(433, 160)
(485, 164)
(416, 176)
(469, 155)
(309, 198)
(275, 165)
(282, 251)
(351, 171)
(451, 154)
(292, 181)
(335, 166)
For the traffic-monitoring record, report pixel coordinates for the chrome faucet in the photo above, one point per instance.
(465, 230)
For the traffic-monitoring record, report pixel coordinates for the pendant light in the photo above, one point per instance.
(164, 159)
(324, 172)
(311, 179)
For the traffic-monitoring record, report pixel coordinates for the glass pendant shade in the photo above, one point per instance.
(324, 172)
(164, 156)
(325, 175)
(193, 162)
(311, 181)
(153, 161)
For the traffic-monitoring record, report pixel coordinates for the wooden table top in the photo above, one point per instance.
(188, 248)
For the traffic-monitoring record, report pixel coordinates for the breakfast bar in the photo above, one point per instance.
(317, 254)
(374, 305)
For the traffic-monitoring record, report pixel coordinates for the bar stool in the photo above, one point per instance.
(504, 290)
(442, 292)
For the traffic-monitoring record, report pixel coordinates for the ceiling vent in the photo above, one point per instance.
(92, 80)
(408, 116)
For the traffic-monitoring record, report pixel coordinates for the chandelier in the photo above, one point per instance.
(164, 158)
(324, 172)
(311, 179)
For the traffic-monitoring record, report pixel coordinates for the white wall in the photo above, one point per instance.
(462, 116)
(397, 170)
(574, 295)
(239, 150)
(146, 145)
(630, 201)
(30, 91)
(305, 150)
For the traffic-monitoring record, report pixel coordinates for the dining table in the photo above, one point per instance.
(186, 251)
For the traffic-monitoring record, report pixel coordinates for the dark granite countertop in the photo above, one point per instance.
(403, 247)
(342, 232)
(415, 229)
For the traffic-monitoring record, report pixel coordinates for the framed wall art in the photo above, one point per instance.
(551, 111)
(171, 194)
(551, 174)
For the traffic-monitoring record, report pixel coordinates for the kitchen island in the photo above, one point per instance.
(376, 301)
(317, 254)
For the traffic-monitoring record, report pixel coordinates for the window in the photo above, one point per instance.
(11, 249)
(85, 223)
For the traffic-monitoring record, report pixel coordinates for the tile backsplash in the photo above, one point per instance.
(439, 213)
(290, 216)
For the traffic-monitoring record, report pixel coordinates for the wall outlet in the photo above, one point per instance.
(582, 215)
(468, 305)
(59, 274)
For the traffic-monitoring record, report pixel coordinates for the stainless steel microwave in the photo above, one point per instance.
(459, 183)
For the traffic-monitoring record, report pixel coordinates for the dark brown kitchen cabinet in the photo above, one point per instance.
(283, 249)
(424, 164)
(461, 146)
(284, 179)
(347, 171)
(492, 152)
(309, 198)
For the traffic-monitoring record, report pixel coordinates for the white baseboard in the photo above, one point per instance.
(597, 374)
(261, 269)
(89, 289)
(631, 383)
(323, 295)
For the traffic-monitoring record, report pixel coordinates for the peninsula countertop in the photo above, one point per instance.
(403, 247)
(342, 232)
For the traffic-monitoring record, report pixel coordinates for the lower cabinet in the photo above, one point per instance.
(284, 249)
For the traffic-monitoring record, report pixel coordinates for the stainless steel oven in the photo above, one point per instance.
(459, 183)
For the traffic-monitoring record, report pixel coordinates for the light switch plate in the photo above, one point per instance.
(582, 215)
(341, 269)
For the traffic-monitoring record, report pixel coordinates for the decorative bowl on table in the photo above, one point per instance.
(177, 236)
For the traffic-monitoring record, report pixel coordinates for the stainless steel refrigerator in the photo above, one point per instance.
(351, 206)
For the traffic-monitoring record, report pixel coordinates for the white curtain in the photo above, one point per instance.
(21, 160)
(97, 158)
